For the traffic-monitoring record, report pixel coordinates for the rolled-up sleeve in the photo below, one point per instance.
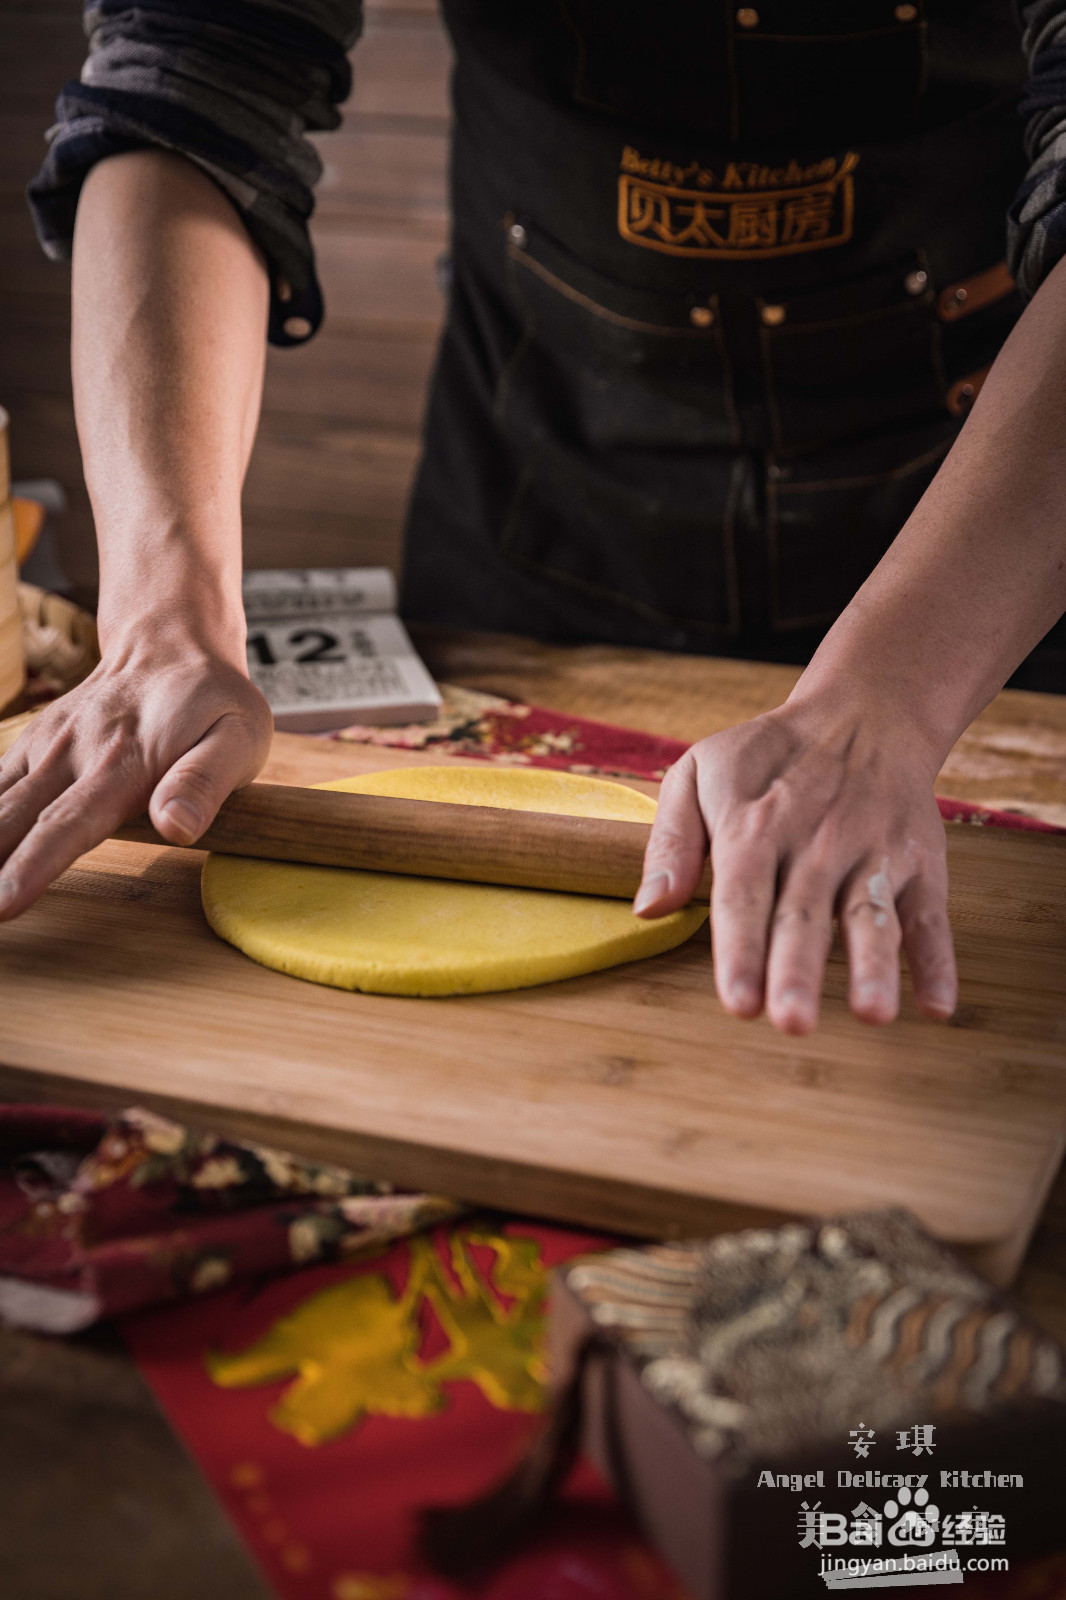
(1036, 226)
(233, 85)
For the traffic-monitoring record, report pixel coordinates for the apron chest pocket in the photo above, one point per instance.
(824, 69)
(832, 69)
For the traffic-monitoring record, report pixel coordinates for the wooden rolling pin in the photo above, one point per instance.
(426, 838)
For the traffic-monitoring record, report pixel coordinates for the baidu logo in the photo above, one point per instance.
(915, 1527)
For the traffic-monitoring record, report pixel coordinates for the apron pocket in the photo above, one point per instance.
(853, 363)
(812, 72)
(830, 521)
(626, 540)
(606, 366)
(616, 411)
(656, 66)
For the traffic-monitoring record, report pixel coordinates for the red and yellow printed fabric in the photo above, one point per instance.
(327, 1407)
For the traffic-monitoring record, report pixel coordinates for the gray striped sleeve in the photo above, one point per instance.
(233, 85)
(1036, 227)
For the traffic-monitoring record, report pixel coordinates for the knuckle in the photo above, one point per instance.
(63, 812)
(760, 817)
(927, 922)
(789, 916)
(880, 912)
(668, 841)
(681, 769)
(739, 898)
(822, 855)
(874, 966)
(801, 914)
(928, 846)
(863, 917)
(740, 958)
(122, 732)
(196, 782)
(261, 717)
(118, 761)
(792, 978)
(676, 779)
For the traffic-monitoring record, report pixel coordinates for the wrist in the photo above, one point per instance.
(846, 709)
(890, 663)
(186, 597)
(196, 621)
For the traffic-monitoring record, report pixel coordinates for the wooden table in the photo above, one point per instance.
(483, 1096)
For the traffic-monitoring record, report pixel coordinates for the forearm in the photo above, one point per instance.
(169, 317)
(978, 574)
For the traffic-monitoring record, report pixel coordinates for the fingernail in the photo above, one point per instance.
(8, 891)
(743, 994)
(652, 890)
(797, 1006)
(873, 996)
(941, 996)
(184, 818)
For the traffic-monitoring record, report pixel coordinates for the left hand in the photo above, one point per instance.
(811, 814)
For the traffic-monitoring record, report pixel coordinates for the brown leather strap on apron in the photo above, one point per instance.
(983, 289)
(961, 396)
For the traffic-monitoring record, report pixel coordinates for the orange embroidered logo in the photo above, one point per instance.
(747, 210)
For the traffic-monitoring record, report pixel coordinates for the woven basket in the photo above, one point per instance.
(60, 646)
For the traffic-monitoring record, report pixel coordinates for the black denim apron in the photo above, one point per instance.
(697, 368)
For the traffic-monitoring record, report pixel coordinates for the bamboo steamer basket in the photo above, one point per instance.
(12, 661)
(60, 646)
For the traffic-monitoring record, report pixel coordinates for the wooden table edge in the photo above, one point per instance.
(576, 1199)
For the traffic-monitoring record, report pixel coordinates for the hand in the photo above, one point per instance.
(811, 814)
(169, 725)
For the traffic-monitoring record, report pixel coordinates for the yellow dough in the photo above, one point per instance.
(419, 936)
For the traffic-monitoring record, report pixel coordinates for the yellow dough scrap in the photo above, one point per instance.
(419, 936)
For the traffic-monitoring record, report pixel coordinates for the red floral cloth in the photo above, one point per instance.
(99, 1217)
(506, 731)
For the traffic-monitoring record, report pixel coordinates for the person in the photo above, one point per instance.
(723, 282)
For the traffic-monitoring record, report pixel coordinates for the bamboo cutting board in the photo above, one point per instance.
(624, 1099)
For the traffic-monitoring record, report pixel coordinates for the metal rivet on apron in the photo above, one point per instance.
(776, 473)
(906, 13)
(959, 296)
(517, 235)
(701, 316)
(916, 281)
(748, 17)
(773, 316)
(284, 288)
(297, 327)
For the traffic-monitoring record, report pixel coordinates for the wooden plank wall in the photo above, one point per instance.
(341, 417)
(41, 46)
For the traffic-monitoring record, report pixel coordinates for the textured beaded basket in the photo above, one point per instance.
(12, 664)
(60, 647)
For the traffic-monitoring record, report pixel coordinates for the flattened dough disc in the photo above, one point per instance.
(419, 936)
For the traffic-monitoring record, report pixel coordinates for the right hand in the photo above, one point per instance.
(164, 724)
